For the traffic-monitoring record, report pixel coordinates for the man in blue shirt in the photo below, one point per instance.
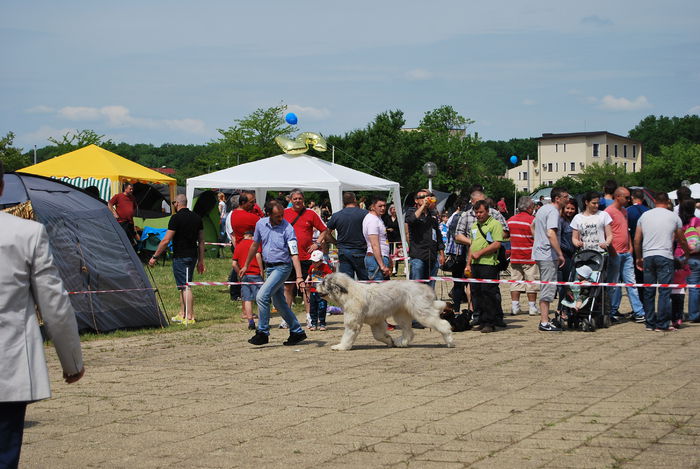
(280, 254)
(350, 240)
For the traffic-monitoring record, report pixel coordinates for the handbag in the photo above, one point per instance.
(450, 262)
(503, 261)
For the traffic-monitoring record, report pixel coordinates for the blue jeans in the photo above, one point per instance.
(625, 269)
(421, 269)
(694, 293)
(658, 269)
(352, 263)
(273, 291)
(317, 309)
(373, 270)
(11, 432)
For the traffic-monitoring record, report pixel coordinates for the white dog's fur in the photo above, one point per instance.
(374, 303)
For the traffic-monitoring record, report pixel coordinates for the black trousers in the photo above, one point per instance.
(11, 431)
(486, 297)
(459, 294)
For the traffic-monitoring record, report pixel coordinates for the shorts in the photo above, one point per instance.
(304, 270)
(524, 272)
(183, 269)
(548, 273)
(249, 292)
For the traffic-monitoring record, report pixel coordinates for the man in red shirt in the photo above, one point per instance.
(123, 207)
(241, 220)
(522, 267)
(304, 222)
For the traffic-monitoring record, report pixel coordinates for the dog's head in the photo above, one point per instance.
(333, 286)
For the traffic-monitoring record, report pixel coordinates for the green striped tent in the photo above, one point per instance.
(103, 185)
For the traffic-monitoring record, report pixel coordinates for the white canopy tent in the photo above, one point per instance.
(285, 172)
(694, 192)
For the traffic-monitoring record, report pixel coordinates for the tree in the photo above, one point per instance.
(72, 141)
(11, 157)
(675, 163)
(654, 132)
(253, 137)
(444, 120)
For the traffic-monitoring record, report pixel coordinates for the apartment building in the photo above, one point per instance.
(568, 154)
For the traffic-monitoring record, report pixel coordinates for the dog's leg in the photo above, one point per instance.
(404, 321)
(442, 326)
(349, 337)
(379, 333)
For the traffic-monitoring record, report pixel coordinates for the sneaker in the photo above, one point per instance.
(177, 318)
(501, 323)
(639, 319)
(487, 329)
(251, 325)
(284, 325)
(677, 324)
(534, 311)
(188, 321)
(649, 328)
(549, 327)
(259, 339)
(514, 311)
(295, 338)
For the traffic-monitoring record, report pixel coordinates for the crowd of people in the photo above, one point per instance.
(543, 238)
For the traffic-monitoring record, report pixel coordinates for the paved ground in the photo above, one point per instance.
(204, 398)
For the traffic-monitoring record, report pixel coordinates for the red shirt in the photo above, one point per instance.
(240, 255)
(521, 239)
(304, 229)
(316, 274)
(125, 206)
(620, 229)
(242, 221)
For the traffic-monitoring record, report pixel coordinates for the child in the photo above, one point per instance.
(317, 271)
(248, 292)
(680, 275)
(577, 296)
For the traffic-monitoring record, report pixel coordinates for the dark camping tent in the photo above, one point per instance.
(91, 251)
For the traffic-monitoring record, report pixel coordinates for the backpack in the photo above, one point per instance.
(692, 237)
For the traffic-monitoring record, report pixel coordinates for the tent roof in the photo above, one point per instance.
(284, 172)
(96, 162)
(694, 192)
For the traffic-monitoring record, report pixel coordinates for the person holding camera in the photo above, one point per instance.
(425, 247)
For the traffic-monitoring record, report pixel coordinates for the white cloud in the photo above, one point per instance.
(117, 116)
(529, 102)
(312, 113)
(611, 103)
(40, 109)
(694, 110)
(419, 74)
(40, 136)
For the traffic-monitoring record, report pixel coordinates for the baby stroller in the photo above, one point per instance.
(582, 306)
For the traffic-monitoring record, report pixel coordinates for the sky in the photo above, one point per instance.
(156, 71)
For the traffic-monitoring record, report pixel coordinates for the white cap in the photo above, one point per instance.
(316, 256)
(583, 271)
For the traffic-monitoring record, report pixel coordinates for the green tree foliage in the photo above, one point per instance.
(12, 158)
(78, 139)
(503, 150)
(655, 132)
(675, 163)
(594, 176)
(252, 138)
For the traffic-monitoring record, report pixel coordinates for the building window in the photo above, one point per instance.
(550, 167)
(565, 148)
(525, 175)
(551, 183)
(573, 166)
(616, 150)
(634, 167)
(625, 166)
(596, 149)
(634, 151)
(624, 151)
(556, 148)
(607, 150)
(556, 167)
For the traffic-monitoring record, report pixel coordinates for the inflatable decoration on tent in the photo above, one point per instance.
(301, 144)
(91, 252)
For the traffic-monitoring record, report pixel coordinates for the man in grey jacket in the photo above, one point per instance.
(28, 279)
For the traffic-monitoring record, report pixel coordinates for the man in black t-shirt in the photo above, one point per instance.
(186, 231)
(350, 240)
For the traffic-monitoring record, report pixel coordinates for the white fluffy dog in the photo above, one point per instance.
(374, 303)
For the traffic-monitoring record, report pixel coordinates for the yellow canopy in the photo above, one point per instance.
(93, 161)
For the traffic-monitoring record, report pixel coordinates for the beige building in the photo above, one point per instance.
(560, 155)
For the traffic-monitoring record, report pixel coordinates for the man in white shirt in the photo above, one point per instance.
(377, 260)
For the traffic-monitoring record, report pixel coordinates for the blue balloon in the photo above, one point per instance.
(513, 159)
(291, 118)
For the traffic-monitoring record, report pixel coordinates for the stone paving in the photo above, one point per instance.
(205, 398)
